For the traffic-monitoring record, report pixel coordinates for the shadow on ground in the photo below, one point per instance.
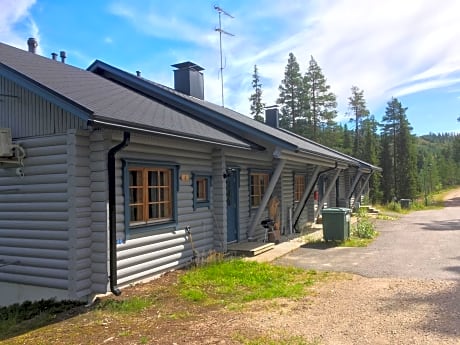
(442, 306)
(447, 225)
(454, 202)
(321, 245)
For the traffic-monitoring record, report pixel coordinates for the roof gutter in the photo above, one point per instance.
(170, 134)
(112, 213)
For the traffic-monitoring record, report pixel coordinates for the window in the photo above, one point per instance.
(299, 187)
(150, 195)
(201, 190)
(258, 186)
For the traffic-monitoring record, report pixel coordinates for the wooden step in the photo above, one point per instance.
(249, 248)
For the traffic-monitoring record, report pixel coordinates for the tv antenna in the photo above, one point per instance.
(221, 31)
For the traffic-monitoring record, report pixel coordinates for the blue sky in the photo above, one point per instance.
(405, 49)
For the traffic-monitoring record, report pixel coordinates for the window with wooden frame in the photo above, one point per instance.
(151, 195)
(258, 186)
(201, 190)
(299, 186)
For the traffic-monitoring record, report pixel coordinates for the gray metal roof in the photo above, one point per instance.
(97, 99)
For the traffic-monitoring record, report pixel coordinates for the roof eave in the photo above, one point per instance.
(152, 130)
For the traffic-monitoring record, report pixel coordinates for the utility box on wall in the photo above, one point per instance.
(6, 146)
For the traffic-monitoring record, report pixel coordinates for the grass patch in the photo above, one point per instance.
(356, 242)
(16, 318)
(362, 232)
(133, 304)
(239, 281)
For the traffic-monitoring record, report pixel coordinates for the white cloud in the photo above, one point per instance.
(386, 48)
(16, 24)
(162, 20)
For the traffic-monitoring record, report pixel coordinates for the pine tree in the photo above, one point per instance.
(398, 158)
(321, 109)
(257, 107)
(386, 163)
(347, 141)
(359, 111)
(370, 141)
(290, 94)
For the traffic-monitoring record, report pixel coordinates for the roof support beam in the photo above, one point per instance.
(361, 190)
(354, 184)
(326, 194)
(307, 192)
(268, 193)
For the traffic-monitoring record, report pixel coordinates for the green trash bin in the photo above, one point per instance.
(336, 224)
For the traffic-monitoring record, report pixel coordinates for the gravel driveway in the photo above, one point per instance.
(406, 289)
(424, 244)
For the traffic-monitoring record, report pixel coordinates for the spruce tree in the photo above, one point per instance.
(290, 94)
(402, 156)
(359, 111)
(370, 141)
(322, 104)
(257, 107)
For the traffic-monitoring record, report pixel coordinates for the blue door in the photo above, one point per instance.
(233, 176)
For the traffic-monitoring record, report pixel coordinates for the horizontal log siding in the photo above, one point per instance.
(152, 254)
(80, 215)
(219, 197)
(29, 115)
(34, 216)
(99, 225)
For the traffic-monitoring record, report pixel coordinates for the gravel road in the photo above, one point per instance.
(406, 289)
(424, 244)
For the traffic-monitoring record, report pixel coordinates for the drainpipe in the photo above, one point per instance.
(112, 213)
(311, 190)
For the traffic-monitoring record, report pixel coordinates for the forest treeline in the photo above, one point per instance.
(412, 166)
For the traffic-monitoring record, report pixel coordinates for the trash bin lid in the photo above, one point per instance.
(336, 210)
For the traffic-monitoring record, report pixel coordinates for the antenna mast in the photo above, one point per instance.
(221, 31)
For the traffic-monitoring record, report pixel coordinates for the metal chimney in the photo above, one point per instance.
(32, 44)
(54, 56)
(188, 79)
(138, 74)
(272, 116)
(63, 55)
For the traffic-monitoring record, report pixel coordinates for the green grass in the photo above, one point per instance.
(131, 305)
(356, 242)
(17, 318)
(239, 281)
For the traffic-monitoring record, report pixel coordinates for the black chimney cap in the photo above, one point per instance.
(188, 65)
